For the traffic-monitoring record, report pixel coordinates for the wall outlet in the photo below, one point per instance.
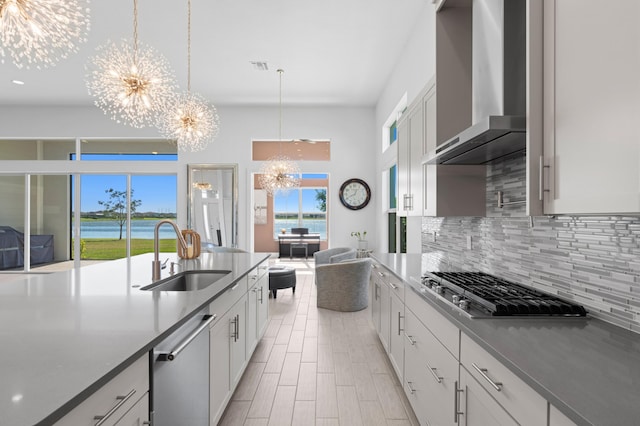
(469, 242)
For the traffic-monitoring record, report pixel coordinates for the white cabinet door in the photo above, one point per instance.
(410, 150)
(219, 367)
(477, 407)
(375, 304)
(591, 106)
(138, 415)
(238, 340)
(385, 314)
(253, 297)
(262, 305)
(396, 336)
(435, 370)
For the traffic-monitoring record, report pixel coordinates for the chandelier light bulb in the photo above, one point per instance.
(40, 33)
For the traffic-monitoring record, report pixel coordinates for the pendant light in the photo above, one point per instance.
(131, 82)
(39, 33)
(279, 173)
(189, 119)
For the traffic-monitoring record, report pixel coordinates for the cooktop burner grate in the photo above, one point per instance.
(499, 297)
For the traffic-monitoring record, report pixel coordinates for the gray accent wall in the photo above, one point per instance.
(594, 261)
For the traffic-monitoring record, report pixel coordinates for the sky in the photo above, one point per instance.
(157, 193)
(289, 202)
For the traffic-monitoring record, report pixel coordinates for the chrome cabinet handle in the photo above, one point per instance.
(381, 274)
(541, 189)
(413, 342)
(399, 329)
(456, 404)
(393, 286)
(237, 327)
(234, 335)
(434, 373)
(261, 295)
(172, 354)
(234, 287)
(121, 401)
(483, 372)
(411, 390)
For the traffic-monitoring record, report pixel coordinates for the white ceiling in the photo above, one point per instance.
(334, 52)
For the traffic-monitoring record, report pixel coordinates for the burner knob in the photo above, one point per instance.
(464, 304)
(455, 299)
(439, 289)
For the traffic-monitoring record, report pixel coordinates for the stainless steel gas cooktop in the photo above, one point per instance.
(481, 295)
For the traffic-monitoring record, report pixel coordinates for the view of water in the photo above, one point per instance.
(110, 229)
(143, 229)
(315, 226)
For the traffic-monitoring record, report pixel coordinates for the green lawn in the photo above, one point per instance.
(105, 249)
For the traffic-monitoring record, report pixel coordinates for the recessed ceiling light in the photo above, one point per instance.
(260, 65)
(18, 82)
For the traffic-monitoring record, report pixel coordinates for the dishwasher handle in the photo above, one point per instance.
(171, 355)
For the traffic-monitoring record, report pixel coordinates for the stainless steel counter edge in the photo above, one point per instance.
(140, 264)
(490, 334)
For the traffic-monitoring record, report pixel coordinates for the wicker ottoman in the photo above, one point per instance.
(281, 277)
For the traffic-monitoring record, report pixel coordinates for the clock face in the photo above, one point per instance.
(355, 194)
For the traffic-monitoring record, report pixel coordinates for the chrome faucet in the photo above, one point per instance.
(156, 246)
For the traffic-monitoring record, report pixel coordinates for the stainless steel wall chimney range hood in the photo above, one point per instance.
(498, 87)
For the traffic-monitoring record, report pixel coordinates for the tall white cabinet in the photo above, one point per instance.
(591, 106)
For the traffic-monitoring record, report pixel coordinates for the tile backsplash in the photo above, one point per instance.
(594, 261)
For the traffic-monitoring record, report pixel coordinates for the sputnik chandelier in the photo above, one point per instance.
(39, 33)
(189, 119)
(279, 173)
(132, 83)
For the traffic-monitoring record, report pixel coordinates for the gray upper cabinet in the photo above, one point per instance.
(591, 106)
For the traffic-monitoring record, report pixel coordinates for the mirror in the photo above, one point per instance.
(213, 203)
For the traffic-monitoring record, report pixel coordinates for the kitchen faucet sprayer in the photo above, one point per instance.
(156, 246)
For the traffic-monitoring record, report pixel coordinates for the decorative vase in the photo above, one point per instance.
(362, 244)
(192, 239)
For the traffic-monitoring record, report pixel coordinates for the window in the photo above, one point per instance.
(393, 187)
(393, 132)
(305, 207)
(103, 209)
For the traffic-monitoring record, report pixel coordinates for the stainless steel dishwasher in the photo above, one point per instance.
(180, 381)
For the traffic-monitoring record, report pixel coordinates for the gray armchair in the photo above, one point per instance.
(344, 286)
(334, 255)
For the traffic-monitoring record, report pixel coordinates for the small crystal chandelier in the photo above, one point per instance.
(279, 173)
(131, 83)
(189, 118)
(39, 33)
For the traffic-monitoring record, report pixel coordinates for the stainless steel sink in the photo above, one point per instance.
(187, 281)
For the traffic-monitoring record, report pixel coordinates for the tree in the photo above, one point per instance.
(321, 198)
(116, 206)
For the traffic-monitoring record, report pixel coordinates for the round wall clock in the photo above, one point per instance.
(355, 194)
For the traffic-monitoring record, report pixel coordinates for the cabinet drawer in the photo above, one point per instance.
(435, 371)
(395, 284)
(443, 330)
(521, 401)
(256, 273)
(114, 399)
(227, 299)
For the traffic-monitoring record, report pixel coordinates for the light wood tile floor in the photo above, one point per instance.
(316, 366)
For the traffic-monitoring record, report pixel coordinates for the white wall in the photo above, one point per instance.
(415, 67)
(351, 132)
(350, 129)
